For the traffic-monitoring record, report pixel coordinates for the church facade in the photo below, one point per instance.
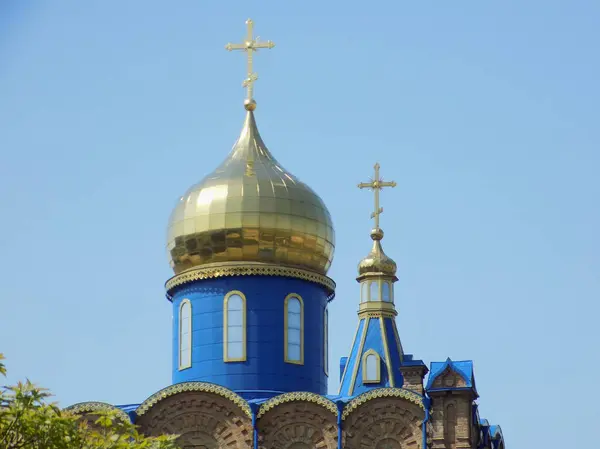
(250, 246)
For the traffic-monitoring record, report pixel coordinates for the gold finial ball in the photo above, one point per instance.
(377, 234)
(249, 104)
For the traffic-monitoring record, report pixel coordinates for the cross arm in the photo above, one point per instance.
(268, 44)
(365, 185)
(235, 47)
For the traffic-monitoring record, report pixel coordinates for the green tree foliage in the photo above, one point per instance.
(29, 421)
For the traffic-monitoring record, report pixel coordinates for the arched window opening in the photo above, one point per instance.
(374, 290)
(294, 329)
(185, 334)
(326, 341)
(450, 426)
(234, 327)
(386, 292)
(371, 367)
(364, 292)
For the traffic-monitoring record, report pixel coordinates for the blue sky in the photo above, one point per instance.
(484, 112)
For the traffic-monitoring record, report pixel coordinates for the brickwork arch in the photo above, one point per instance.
(384, 423)
(202, 419)
(90, 412)
(298, 424)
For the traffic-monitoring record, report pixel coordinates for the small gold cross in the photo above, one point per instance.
(376, 185)
(250, 45)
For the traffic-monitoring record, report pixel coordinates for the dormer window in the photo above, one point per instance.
(371, 367)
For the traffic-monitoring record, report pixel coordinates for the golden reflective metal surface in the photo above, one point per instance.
(376, 263)
(250, 46)
(251, 209)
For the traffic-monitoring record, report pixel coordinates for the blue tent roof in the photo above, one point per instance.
(378, 336)
(463, 368)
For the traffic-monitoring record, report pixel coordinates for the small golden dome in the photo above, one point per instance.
(250, 209)
(377, 263)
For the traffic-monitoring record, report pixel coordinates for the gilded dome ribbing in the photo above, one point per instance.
(250, 209)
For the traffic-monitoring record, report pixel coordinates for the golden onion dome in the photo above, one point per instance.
(250, 209)
(377, 263)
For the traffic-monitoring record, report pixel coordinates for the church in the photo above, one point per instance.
(250, 246)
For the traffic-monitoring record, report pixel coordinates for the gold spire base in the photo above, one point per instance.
(376, 309)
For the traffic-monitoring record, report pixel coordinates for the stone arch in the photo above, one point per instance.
(297, 421)
(204, 415)
(386, 418)
(90, 411)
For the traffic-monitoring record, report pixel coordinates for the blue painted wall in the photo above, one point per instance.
(264, 368)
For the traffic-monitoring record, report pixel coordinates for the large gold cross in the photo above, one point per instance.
(376, 185)
(250, 45)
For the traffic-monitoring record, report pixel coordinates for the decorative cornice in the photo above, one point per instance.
(194, 386)
(297, 396)
(83, 408)
(377, 309)
(377, 275)
(376, 314)
(383, 393)
(217, 270)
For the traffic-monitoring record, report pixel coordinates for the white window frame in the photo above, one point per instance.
(365, 374)
(288, 298)
(326, 341)
(226, 357)
(184, 362)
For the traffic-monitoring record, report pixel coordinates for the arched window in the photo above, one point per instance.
(234, 327)
(364, 292)
(185, 334)
(371, 367)
(374, 290)
(326, 340)
(386, 292)
(294, 329)
(450, 426)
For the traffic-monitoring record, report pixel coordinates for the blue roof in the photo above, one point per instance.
(375, 335)
(496, 436)
(463, 368)
(129, 409)
(496, 432)
(409, 360)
